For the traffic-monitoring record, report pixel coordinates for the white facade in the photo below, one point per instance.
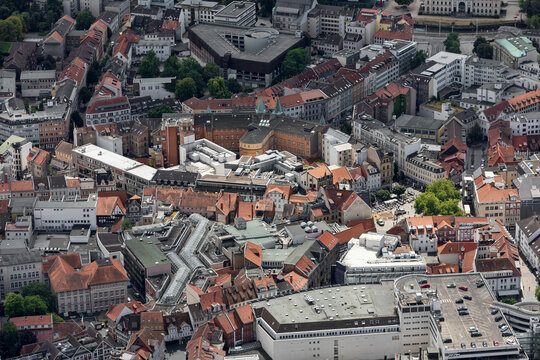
(37, 84)
(331, 139)
(162, 48)
(62, 215)
(155, 87)
(95, 6)
(7, 81)
(448, 70)
(527, 237)
(168, 4)
(525, 124)
(18, 270)
(237, 13)
(110, 142)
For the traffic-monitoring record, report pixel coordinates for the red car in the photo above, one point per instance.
(425, 286)
(464, 288)
(495, 343)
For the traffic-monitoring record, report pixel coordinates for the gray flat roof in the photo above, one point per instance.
(454, 326)
(235, 8)
(418, 122)
(213, 36)
(340, 304)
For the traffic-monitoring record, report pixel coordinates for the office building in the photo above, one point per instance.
(18, 270)
(514, 51)
(63, 215)
(237, 13)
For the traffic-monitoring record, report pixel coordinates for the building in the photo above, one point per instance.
(292, 15)
(7, 83)
(155, 87)
(373, 257)
(96, 7)
(480, 71)
(143, 260)
(22, 56)
(492, 199)
(54, 43)
(108, 110)
(527, 236)
(14, 152)
(251, 56)
(159, 44)
(134, 176)
(63, 215)
(332, 143)
(237, 13)
(92, 288)
(18, 270)
(514, 51)
(428, 129)
(196, 11)
(445, 69)
(375, 132)
(37, 83)
(40, 325)
(528, 194)
(491, 8)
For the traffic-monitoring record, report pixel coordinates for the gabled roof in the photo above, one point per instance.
(320, 171)
(328, 240)
(107, 205)
(33, 321)
(252, 253)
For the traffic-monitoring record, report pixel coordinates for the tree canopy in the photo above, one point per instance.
(41, 290)
(530, 7)
(294, 63)
(185, 89)
(419, 58)
(149, 67)
(404, 2)
(217, 88)
(84, 20)
(483, 48)
(383, 195)
(9, 339)
(158, 111)
(452, 43)
(399, 190)
(440, 198)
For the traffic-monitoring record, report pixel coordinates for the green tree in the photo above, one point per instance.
(126, 224)
(248, 89)
(93, 73)
(149, 67)
(537, 293)
(40, 289)
(170, 67)
(346, 127)
(158, 111)
(185, 89)
(452, 43)
(34, 305)
(383, 195)
(483, 48)
(26, 337)
(400, 105)
(199, 80)
(216, 87)
(234, 86)
(14, 305)
(419, 59)
(9, 340)
(85, 94)
(84, 20)
(77, 119)
(441, 197)
(187, 65)
(210, 70)
(399, 190)
(510, 301)
(475, 134)
(57, 319)
(533, 22)
(294, 63)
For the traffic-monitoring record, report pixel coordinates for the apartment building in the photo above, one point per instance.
(480, 71)
(422, 170)
(292, 14)
(196, 11)
(428, 129)
(14, 151)
(445, 69)
(91, 288)
(493, 200)
(62, 215)
(37, 83)
(375, 132)
(160, 45)
(18, 270)
(108, 110)
(528, 238)
(237, 13)
(39, 325)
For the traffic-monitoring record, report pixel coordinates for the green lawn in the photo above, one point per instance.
(4, 47)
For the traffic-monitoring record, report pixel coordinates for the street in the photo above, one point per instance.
(528, 282)
(474, 158)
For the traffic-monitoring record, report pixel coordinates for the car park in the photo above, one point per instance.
(451, 286)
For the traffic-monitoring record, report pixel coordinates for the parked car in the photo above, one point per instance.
(494, 311)
(498, 318)
(506, 334)
(484, 343)
(467, 297)
(459, 301)
(501, 325)
(425, 286)
(464, 288)
(447, 340)
(495, 343)
(451, 286)
(462, 308)
(504, 328)
(473, 345)
(476, 334)
(473, 329)
(380, 222)
(463, 346)
(462, 313)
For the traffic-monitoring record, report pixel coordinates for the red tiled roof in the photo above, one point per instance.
(74, 260)
(106, 206)
(357, 229)
(286, 190)
(328, 240)
(393, 35)
(36, 320)
(297, 281)
(253, 253)
(305, 266)
(22, 185)
(103, 105)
